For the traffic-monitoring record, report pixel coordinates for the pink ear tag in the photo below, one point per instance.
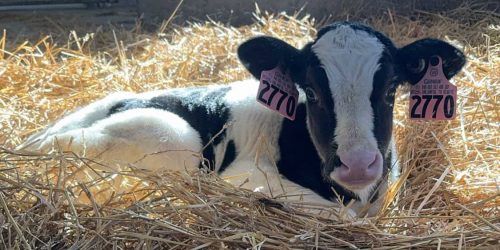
(278, 92)
(433, 97)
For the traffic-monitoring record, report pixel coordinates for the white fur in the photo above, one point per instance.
(146, 138)
(350, 59)
(82, 118)
(252, 121)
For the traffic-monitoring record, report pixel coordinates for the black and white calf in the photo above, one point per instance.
(339, 142)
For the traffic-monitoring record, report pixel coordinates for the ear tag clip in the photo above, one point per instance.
(433, 98)
(278, 92)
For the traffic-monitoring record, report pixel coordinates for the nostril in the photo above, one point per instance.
(337, 161)
(372, 164)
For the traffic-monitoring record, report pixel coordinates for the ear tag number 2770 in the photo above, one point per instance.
(278, 92)
(433, 97)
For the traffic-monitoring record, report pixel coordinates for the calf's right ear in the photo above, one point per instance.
(265, 53)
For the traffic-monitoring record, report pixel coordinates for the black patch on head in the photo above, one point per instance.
(382, 101)
(321, 115)
(229, 156)
(204, 109)
(299, 161)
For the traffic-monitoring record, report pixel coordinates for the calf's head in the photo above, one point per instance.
(349, 75)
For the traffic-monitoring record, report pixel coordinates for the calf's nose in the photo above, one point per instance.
(359, 167)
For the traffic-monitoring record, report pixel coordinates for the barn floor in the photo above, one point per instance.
(448, 196)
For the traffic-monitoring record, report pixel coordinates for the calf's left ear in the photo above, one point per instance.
(414, 58)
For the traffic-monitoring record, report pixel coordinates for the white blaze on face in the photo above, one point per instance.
(350, 59)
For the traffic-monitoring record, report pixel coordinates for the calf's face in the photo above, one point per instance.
(349, 74)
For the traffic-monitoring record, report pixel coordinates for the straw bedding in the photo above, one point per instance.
(448, 195)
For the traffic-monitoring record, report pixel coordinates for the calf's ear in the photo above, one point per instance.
(414, 58)
(265, 53)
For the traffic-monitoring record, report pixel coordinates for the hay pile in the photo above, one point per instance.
(448, 196)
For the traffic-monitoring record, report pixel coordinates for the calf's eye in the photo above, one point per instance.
(311, 94)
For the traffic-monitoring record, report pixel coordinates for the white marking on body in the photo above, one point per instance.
(148, 138)
(249, 122)
(80, 118)
(350, 59)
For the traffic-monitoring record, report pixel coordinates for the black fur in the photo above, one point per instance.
(265, 53)
(299, 161)
(229, 156)
(453, 58)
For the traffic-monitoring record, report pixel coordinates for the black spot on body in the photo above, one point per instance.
(128, 104)
(299, 161)
(203, 108)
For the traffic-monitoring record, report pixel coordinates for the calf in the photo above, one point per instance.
(339, 143)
